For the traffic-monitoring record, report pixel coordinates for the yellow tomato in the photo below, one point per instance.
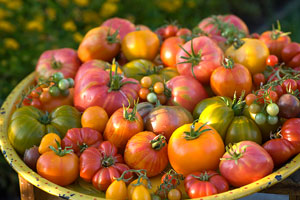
(252, 54)
(141, 192)
(117, 190)
(131, 187)
(47, 141)
(140, 44)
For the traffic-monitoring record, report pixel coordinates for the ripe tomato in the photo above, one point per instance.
(36, 103)
(48, 140)
(280, 150)
(204, 57)
(45, 97)
(174, 194)
(60, 167)
(162, 98)
(146, 82)
(117, 190)
(143, 92)
(252, 54)
(237, 163)
(272, 96)
(122, 125)
(184, 32)
(169, 49)
(170, 31)
(99, 43)
(140, 44)
(205, 183)
(250, 98)
(132, 186)
(291, 132)
(184, 144)
(272, 60)
(291, 54)
(147, 151)
(124, 26)
(80, 139)
(158, 87)
(259, 79)
(94, 117)
(289, 84)
(231, 79)
(140, 192)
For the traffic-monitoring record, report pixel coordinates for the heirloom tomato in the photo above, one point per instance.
(140, 192)
(101, 165)
(184, 32)
(291, 132)
(94, 117)
(231, 79)
(195, 147)
(169, 50)
(63, 60)
(60, 166)
(50, 139)
(28, 125)
(291, 54)
(122, 125)
(198, 58)
(186, 92)
(148, 151)
(205, 183)
(144, 109)
(166, 119)
(134, 184)
(117, 190)
(124, 26)
(80, 139)
(140, 45)
(96, 87)
(245, 162)
(252, 54)
(99, 43)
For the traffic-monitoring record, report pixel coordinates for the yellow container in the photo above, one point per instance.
(82, 190)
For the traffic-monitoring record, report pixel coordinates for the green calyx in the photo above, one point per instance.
(238, 105)
(234, 152)
(168, 182)
(228, 63)
(82, 147)
(141, 173)
(45, 119)
(277, 33)
(56, 64)
(112, 38)
(59, 151)
(130, 116)
(203, 176)
(108, 161)
(194, 134)
(158, 142)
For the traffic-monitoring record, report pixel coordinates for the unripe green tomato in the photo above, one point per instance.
(58, 76)
(260, 118)
(54, 91)
(63, 84)
(151, 97)
(272, 109)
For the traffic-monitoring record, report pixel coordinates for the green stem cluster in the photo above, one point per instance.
(158, 142)
(193, 134)
(59, 151)
(234, 152)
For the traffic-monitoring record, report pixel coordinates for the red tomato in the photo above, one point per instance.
(99, 43)
(169, 50)
(272, 60)
(278, 89)
(122, 125)
(291, 132)
(250, 98)
(148, 151)
(272, 96)
(124, 26)
(259, 79)
(289, 84)
(291, 54)
(36, 103)
(230, 79)
(63, 60)
(205, 56)
(280, 150)
(183, 31)
(186, 92)
(27, 100)
(101, 165)
(247, 163)
(80, 139)
(95, 87)
(170, 31)
(205, 183)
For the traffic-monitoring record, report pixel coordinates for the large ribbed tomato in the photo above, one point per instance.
(195, 147)
(198, 58)
(124, 26)
(96, 87)
(291, 132)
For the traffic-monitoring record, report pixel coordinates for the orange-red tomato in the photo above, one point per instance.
(143, 92)
(189, 153)
(55, 102)
(94, 117)
(169, 50)
(158, 87)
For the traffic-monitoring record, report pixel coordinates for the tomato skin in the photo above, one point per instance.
(290, 54)
(174, 194)
(252, 54)
(259, 79)
(170, 31)
(63, 60)
(272, 60)
(55, 102)
(186, 92)
(119, 130)
(140, 45)
(211, 57)
(280, 150)
(169, 49)
(139, 154)
(225, 82)
(140, 192)
(117, 190)
(244, 172)
(59, 170)
(116, 23)
(77, 137)
(209, 146)
(291, 132)
(201, 189)
(289, 84)
(250, 98)
(275, 45)
(166, 119)
(183, 31)
(132, 186)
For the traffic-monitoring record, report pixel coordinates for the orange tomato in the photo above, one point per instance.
(94, 117)
(190, 153)
(55, 102)
(158, 87)
(47, 141)
(143, 92)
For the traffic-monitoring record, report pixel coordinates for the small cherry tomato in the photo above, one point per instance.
(272, 60)
(183, 31)
(272, 119)
(146, 82)
(143, 92)
(260, 118)
(260, 96)
(36, 103)
(158, 87)
(272, 109)
(71, 82)
(259, 79)
(272, 96)
(174, 194)
(170, 31)
(162, 98)
(254, 108)
(63, 84)
(45, 96)
(27, 100)
(250, 98)
(278, 89)
(151, 97)
(289, 84)
(54, 91)
(36, 93)
(57, 76)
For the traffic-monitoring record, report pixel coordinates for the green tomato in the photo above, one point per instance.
(272, 109)
(63, 84)
(260, 118)
(272, 119)
(65, 92)
(254, 108)
(54, 91)
(151, 97)
(58, 76)
(71, 82)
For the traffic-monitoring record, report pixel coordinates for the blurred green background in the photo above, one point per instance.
(29, 27)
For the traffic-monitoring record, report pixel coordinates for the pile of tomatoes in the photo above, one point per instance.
(210, 108)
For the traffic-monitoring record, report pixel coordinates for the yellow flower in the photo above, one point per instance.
(51, 12)
(64, 3)
(82, 3)
(6, 26)
(169, 5)
(77, 37)
(14, 4)
(69, 26)
(108, 9)
(35, 25)
(11, 43)
(4, 13)
(90, 16)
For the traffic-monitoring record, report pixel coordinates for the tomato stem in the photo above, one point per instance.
(193, 134)
(158, 142)
(277, 33)
(203, 176)
(108, 161)
(82, 147)
(235, 152)
(228, 63)
(45, 119)
(55, 64)
(130, 116)
(59, 151)
(112, 38)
